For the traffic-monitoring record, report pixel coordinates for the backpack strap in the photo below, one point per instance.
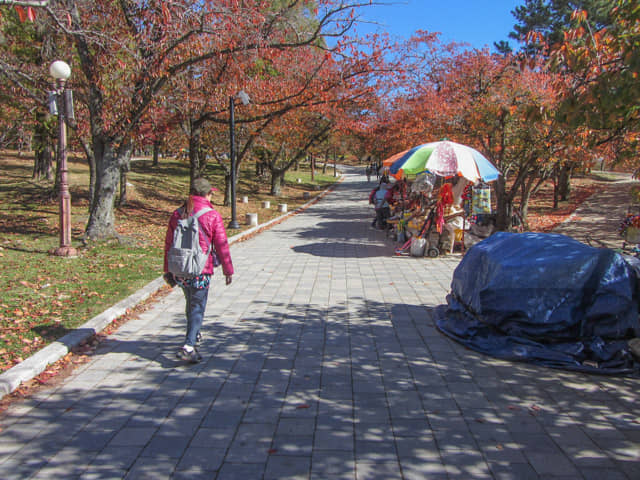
(196, 216)
(202, 212)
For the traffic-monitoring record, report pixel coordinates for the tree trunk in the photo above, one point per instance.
(277, 182)
(312, 162)
(503, 206)
(524, 202)
(42, 145)
(197, 154)
(556, 191)
(91, 159)
(564, 182)
(43, 165)
(122, 201)
(156, 153)
(108, 161)
(195, 139)
(326, 160)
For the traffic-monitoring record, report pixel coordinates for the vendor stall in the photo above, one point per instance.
(446, 170)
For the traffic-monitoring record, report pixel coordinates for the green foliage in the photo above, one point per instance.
(603, 67)
(552, 18)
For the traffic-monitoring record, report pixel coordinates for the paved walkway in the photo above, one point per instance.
(600, 216)
(321, 361)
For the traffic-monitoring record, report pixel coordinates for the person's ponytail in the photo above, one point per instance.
(189, 207)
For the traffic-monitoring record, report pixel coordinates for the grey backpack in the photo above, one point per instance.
(185, 257)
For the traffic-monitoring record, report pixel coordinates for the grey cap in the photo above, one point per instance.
(201, 187)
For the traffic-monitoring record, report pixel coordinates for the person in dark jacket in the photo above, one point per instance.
(196, 290)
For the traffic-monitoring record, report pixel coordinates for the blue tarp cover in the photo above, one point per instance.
(547, 299)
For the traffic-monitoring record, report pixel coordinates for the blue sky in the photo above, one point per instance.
(477, 22)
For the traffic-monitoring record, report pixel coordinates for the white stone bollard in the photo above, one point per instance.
(299, 180)
(282, 207)
(266, 204)
(245, 199)
(252, 219)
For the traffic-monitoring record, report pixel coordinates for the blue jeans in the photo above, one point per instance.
(196, 302)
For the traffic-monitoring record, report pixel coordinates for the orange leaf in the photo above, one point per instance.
(31, 14)
(21, 13)
(166, 14)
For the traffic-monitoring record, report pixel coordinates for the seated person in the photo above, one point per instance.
(453, 220)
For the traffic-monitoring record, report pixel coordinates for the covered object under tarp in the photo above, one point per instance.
(546, 299)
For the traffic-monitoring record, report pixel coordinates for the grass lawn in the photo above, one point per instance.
(42, 296)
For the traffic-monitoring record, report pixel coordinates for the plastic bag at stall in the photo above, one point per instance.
(424, 183)
(417, 247)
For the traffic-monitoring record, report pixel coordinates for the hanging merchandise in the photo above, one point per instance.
(445, 199)
(467, 196)
(424, 183)
(481, 200)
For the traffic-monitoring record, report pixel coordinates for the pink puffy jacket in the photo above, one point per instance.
(211, 230)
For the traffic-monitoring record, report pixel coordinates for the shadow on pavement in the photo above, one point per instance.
(344, 250)
(367, 382)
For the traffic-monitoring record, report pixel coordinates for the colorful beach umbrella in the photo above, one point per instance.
(444, 158)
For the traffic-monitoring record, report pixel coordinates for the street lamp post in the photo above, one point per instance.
(60, 71)
(244, 98)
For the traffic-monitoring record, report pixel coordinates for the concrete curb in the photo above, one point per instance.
(33, 366)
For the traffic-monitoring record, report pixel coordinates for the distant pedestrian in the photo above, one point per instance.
(196, 289)
(381, 205)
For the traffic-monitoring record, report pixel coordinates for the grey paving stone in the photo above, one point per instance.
(193, 473)
(296, 445)
(374, 431)
(419, 468)
(380, 470)
(551, 464)
(296, 426)
(91, 440)
(334, 438)
(255, 432)
(333, 464)
(465, 464)
(152, 468)
(114, 458)
(213, 437)
(513, 471)
(411, 427)
(287, 467)
(201, 458)
(132, 437)
(375, 452)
